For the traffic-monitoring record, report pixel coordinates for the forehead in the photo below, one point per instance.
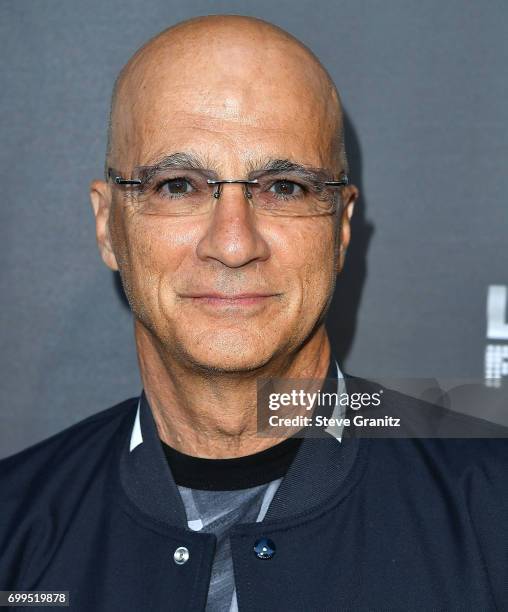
(228, 110)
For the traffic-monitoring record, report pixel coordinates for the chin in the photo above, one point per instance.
(230, 352)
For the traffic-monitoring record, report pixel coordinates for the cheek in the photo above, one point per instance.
(307, 256)
(155, 249)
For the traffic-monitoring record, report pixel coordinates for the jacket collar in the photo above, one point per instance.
(319, 472)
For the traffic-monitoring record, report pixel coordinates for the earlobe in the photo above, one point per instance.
(100, 197)
(340, 259)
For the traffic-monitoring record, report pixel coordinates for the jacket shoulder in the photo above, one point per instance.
(63, 450)
(456, 441)
(43, 485)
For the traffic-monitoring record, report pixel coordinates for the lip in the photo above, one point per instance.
(238, 299)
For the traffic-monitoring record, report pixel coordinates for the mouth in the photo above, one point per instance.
(219, 300)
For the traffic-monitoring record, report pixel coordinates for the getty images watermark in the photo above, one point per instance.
(401, 408)
(311, 402)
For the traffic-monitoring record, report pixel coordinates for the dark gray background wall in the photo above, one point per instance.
(425, 87)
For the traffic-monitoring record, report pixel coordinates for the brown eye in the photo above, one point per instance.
(285, 188)
(177, 186)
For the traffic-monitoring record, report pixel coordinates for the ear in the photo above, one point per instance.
(349, 196)
(101, 198)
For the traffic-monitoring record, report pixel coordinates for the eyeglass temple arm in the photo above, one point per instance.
(119, 180)
(342, 183)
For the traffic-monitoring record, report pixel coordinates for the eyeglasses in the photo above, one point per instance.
(182, 191)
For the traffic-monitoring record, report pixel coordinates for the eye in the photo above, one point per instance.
(177, 186)
(286, 188)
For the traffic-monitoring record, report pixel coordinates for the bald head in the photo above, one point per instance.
(222, 73)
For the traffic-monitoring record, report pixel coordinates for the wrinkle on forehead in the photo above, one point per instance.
(221, 72)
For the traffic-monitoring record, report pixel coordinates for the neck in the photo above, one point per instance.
(213, 414)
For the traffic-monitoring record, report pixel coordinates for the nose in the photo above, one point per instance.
(232, 235)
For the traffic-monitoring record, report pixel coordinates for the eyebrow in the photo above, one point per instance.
(177, 160)
(287, 166)
(191, 161)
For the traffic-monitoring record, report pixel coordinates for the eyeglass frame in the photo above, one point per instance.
(119, 180)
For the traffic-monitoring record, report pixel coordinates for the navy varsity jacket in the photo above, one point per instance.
(359, 525)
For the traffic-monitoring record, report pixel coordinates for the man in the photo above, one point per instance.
(226, 209)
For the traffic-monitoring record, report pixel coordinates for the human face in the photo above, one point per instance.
(231, 289)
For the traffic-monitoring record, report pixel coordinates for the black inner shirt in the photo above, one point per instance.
(231, 474)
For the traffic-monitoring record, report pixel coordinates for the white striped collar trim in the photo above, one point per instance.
(136, 437)
(338, 410)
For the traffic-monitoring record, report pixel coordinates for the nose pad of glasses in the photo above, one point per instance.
(218, 189)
